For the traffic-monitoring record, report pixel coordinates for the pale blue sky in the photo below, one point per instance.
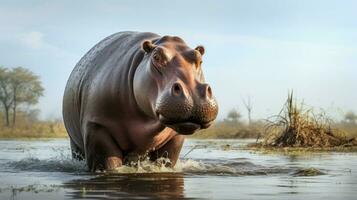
(256, 48)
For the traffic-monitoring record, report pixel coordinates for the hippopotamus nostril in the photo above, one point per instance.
(208, 91)
(205, 91)
(176, 90)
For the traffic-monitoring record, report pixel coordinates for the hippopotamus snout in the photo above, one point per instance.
(204, 90)
(187, 110)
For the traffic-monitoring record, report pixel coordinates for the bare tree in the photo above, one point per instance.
(249, 106)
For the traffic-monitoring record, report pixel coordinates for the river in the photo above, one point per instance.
(208, 169)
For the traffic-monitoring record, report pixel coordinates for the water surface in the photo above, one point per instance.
(208, 169)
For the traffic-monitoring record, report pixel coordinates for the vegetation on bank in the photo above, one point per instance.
(297, 130)
(20, 89)
(41, 129)
(227, 129)
(233, 126)
(299, 126)
(28, 126)
(295, 126)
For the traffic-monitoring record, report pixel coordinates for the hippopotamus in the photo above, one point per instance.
(136, 93)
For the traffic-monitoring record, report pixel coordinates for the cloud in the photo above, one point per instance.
(33, 39)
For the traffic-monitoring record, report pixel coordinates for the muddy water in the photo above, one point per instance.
(212, 169)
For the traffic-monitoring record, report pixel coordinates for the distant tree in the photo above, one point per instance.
(26, 88)
(351, 117)
(18, 86)
(5, 93)
(233, 115)
(249, 106)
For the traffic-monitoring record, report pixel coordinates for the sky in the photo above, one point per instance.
(256, 49)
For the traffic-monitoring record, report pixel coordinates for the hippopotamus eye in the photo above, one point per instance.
(156, 57)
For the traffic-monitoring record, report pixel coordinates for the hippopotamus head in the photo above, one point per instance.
(169, 85)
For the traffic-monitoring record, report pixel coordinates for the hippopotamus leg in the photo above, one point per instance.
(101, 152)
(170, 150)
(77, 153)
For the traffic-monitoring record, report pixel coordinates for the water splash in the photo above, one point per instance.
(190, 166)
(145, 165)
(57, 164)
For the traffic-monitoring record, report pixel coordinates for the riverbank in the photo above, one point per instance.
(300, 150)
(34, 130)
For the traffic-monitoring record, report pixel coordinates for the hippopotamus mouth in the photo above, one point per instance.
(184, 127)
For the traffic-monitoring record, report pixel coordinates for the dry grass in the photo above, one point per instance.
(298, 126)
(41, 129)
(231, 130)
(349, 128)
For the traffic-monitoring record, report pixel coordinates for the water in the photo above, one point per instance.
(214, 169)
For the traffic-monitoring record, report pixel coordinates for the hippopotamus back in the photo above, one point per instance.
(84, 73)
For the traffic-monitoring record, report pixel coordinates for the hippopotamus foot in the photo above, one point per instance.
(170, 150)
(113, 162)
(102, 152)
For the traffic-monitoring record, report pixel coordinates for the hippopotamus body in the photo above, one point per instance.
(136, 93)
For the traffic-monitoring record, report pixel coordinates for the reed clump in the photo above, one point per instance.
(299, 126)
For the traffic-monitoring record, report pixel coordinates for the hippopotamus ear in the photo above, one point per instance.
(148, 46)
(200, 49)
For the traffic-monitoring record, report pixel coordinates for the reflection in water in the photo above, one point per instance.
(124, 186)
